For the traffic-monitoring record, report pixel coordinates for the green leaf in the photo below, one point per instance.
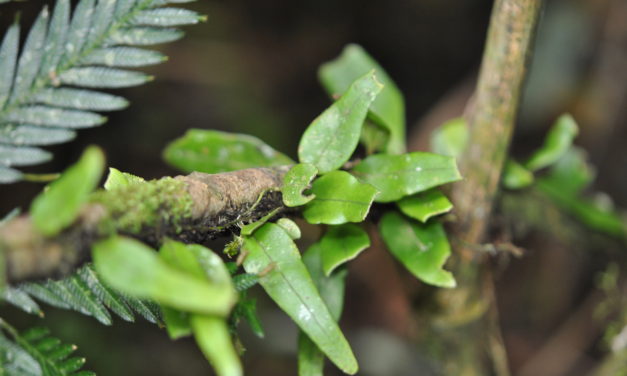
(176, 322)
(332, 137)
(516, 176)
(586, 210)
(246, 308)
(58, 206)
(450, 138)
(295, 181)
(213, 338)
(251, 227)
(388, 109)
(8, 59)
(421, 248)
(118, 179)
(341, 244)
(373, 137)
(46, 355)
(340, 198)
(133, 268)
(289, 284)
(425, 205)
(310, 358)
(290, 227)
(397, 176)
(572, 173)
(213, 151)
(557, 142)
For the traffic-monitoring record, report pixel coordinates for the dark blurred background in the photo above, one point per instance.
(252, 68)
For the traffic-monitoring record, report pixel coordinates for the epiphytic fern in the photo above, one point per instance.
(36, 353)
(83, 292)
(46, 92)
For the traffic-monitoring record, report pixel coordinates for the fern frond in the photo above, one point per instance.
(36, 353)
(46, 91)
(83, 292)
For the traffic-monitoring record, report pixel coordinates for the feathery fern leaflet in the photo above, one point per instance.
(46, 92)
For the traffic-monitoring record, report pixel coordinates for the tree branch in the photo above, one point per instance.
(190, 208)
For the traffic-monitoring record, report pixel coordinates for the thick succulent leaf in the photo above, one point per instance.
(340, 198)
(214, 339)
(516, 176)
(397, 176)
(331, 288)
(118, 179)
(288, 283)
(421, 248)
(341, 244)
(134, 269)
(332, 137)
(83, 51)
(214, 151)
(176, 322)
(295, 181)
(425, 205)
(450, 138)
(557, 142)
(388, 109)
(58, 206)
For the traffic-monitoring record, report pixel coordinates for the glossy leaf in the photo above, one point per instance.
(288, 283)
(516, 176)
(397, 176)
(341, 244)
(214, 151)
(331, 288)
(332, 137)
(374, 137)
(295, 181)
(133, 268)
(572, 173)
(425, 205)
(58, 206)
(388, 109)
(557, 142)
(450, 138)
(340, 198)
(421, 248)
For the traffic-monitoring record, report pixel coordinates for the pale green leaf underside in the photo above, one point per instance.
(387, 110)
(516, 176)
(397, 176)
(87, 50)
(332, 137)
(421, 248)
(212, 152)
(289, 284)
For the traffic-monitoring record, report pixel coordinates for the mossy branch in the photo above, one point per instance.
(192, 208)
